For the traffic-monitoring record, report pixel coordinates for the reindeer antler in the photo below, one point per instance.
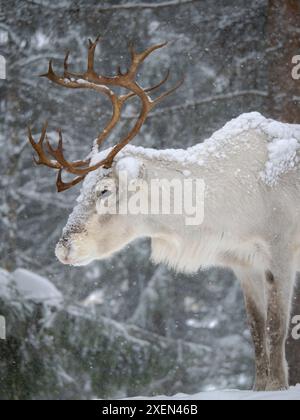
(102, 84)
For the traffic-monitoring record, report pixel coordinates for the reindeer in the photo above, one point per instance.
(251, 222)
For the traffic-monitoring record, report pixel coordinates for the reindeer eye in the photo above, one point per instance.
(103, 193)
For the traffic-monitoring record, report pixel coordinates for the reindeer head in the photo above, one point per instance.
(90, 234)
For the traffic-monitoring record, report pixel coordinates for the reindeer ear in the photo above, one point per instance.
(131, 167)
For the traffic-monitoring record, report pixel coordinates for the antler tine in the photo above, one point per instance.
(91, 54)
(138, 58)
(66, 65)
(64, 186)
(38, 147)
(167, 93)
(147, 90)
(131, 49)
(50, 73)
(120, 73)
(150, 50)
(58, 154)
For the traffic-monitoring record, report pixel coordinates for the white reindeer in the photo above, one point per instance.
(252, 205)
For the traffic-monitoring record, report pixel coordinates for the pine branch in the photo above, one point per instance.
(111, 8)
(130, 6)
(209, 99)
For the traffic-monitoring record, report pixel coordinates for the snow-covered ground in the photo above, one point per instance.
(292, 395)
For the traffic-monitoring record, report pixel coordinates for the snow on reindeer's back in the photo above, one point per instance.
(283, 142)
(196, 154)
(213, 146)
(283, 145)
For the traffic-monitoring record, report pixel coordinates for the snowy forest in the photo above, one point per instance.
(125, 327)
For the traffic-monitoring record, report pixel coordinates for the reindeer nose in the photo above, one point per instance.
(65, 242)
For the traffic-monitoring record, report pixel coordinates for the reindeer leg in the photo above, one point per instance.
(255, 300)
(280, 283)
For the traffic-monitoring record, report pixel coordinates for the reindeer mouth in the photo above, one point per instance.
(66, 256)
(75, 262)
(82, 262)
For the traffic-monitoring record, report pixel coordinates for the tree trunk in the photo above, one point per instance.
(284, 44)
